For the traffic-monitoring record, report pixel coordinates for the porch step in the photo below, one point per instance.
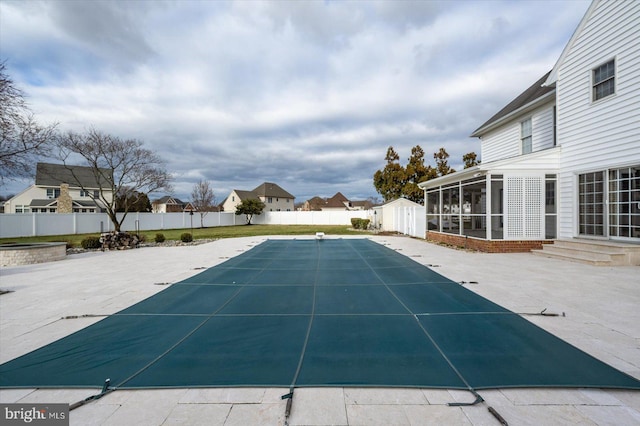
(601, 253)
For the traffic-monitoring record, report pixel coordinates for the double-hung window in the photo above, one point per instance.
(525, 136)
(604, 79)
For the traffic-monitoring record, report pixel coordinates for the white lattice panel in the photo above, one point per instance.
(524, 202)
(514, 203)
(533, 200)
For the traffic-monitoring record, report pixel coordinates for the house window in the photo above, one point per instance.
(53, 193)
(96, 193)
(525, 136)
(604, 78)
(270, 200)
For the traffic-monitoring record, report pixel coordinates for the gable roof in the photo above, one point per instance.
(269, 189)
(533, 95)
(54, 174)
(316, 203)
(339, 196)
(245, 195)
(168, 199)
(337, 200)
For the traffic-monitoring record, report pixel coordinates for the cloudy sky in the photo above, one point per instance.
(306, 94)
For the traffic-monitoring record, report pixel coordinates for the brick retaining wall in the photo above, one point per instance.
(489, 246)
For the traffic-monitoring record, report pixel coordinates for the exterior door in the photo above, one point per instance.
(591, 199)
(624, 203)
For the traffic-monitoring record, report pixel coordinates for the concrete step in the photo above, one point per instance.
(595, 245)
(582, 256)
(603, 253)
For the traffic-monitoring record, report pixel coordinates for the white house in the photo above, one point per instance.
(597, 81)
(61, 188)
(273, 196)
(562, 160)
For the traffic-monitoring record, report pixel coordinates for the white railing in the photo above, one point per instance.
(40, 224)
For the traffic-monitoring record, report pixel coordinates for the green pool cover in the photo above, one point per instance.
(299, 313)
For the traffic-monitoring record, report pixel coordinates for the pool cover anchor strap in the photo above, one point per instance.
(287, 410)
(105, 390)
(480, 400)
(497, 415)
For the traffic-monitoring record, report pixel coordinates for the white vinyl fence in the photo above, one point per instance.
(39, 224)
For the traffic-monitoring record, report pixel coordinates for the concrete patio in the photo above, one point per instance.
(601, 307)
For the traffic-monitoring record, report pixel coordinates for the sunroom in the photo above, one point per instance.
(502, 206)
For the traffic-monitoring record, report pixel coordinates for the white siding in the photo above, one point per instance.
(277, 204)
(603, 134)
(542, 122)
(231, 202)
(24, 198)
(502, 143)
(505, 142)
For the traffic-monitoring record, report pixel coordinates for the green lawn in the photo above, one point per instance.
(209, 233)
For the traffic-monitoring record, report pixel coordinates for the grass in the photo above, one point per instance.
(205, 233)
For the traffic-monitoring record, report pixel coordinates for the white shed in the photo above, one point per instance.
(387, 215)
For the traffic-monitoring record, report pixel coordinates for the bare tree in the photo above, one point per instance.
(126, 170)
(21, 138)
(202, 199)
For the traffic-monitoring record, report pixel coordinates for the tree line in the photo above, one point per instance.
(396, 181)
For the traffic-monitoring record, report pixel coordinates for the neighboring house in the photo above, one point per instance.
(336, 203)
(562, 160)
(273, 196)
(58, 188)
(169, 204)
(314, 204)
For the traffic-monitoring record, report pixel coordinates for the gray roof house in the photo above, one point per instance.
(272, 195)
(60, 188)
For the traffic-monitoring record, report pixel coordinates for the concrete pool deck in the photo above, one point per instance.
(601, 304)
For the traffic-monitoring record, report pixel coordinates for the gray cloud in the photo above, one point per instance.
(305, 94)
